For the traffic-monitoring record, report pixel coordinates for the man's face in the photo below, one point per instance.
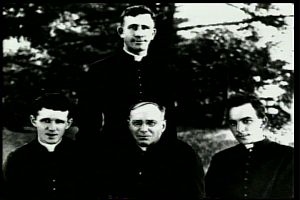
(137, 32)
(51, 125)
(146, 125)
(245, 125)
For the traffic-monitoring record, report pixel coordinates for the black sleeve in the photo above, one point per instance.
(199, 178)
(284, 184)
(195, 185)
(90, 118)
(11, 173)
(211, 179)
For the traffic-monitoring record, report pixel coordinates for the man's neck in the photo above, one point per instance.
(137, 56)
(249, 146)
(144, 149)
(49, 147)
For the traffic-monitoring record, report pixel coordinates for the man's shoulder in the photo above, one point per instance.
(105, 58)
(100, 63)
(234, 150)
(68, 143)
(68, 140)
(174, 147)
(23, 150)
(106, 61)
(185, 155)
(280, 148)
(27, 146)
(183, 147)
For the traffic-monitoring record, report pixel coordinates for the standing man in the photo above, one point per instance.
(46, 168)
(128, 76)
(256, 168)
(151, 166)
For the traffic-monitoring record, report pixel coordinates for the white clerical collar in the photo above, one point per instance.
(144, 149)
(249, 146)
(49, 147)
(137, 58)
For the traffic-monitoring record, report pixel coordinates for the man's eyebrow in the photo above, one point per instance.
(48, 118)
(45, 118)
(60, 120)
(147, 120)
(132, 24)
(244, 118)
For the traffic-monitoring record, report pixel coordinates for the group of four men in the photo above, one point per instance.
(127, 147)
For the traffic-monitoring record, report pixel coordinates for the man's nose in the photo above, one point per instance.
(144, 127)
(52, 126)
(240, 127)
(139, 31)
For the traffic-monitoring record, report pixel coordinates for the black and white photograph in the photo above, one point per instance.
(152, 101)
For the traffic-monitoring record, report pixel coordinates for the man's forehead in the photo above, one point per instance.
(149, 109)
(242, 111)
(139, 19)
(45, 112)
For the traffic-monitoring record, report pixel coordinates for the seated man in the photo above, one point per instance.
(153, 166)
(46, 167)
(257, 168)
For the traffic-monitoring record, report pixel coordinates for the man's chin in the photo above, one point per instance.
(248, 141)
(52, 141)
(139, 48)
(143, 144)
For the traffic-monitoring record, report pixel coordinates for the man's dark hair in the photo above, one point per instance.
(136, 10)
(54, 101)
(243, 98)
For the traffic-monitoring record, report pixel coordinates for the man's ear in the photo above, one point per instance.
(164, 125)
(120, 30)
(264, 122)
(154, 33)
(33, 120)
(70, 121)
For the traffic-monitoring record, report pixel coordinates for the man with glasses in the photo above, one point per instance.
(146, 124)
(151, 166)
(126, 76)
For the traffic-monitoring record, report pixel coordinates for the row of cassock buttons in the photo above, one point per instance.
(247, 174)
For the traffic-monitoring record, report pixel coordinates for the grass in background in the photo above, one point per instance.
(206, 142)
(12, 140)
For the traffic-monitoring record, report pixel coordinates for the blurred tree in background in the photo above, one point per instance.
(223, 63)
(60, 40)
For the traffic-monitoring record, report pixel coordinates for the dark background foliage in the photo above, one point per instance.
(66, 37)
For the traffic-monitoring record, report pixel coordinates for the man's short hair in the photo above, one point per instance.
(53, 101)
(160, 107)
(136, 10)
(243, 98)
